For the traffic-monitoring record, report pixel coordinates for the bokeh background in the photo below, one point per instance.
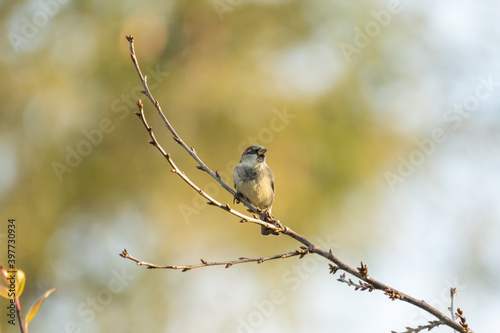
(382, 123)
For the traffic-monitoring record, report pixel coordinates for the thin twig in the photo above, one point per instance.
(204, 263)
(463, 321)
(191, 151)
(430, 326)
(357, 286)
(176, 170)
(453, 293)
(361, 273)
(22, 328)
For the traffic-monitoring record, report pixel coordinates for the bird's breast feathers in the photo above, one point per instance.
(258, 190)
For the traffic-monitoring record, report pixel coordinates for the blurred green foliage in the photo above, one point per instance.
(221, 82)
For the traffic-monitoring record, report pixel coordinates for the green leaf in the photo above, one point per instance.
(36, 306)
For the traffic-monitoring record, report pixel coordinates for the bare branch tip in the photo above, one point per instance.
(363, 270)
(333, 269)
(130, 38)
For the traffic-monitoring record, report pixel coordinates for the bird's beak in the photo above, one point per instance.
(262, 151)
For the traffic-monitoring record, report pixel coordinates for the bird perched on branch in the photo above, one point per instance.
(254, 181)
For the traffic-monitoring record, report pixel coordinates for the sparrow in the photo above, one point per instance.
(254, 181)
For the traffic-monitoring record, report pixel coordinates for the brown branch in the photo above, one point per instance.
(204, 263)
(176, 170)
(191, 151)
(361, 273)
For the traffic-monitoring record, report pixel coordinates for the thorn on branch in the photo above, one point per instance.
(203, 261)
(227, 207)
(228, 265)
(217, 174)
(173, 170)
(211, 203)
(460, 314)
(185, 270)
(363, 270)
(333, 269)
(176, 139)
(199, 167)
(243, 221)
(152, 142)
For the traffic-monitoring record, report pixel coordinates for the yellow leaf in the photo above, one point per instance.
(20, 280)
(36, 306)
(16, 280)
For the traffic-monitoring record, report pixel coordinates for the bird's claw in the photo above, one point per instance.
(266, 216)
(237, 197)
